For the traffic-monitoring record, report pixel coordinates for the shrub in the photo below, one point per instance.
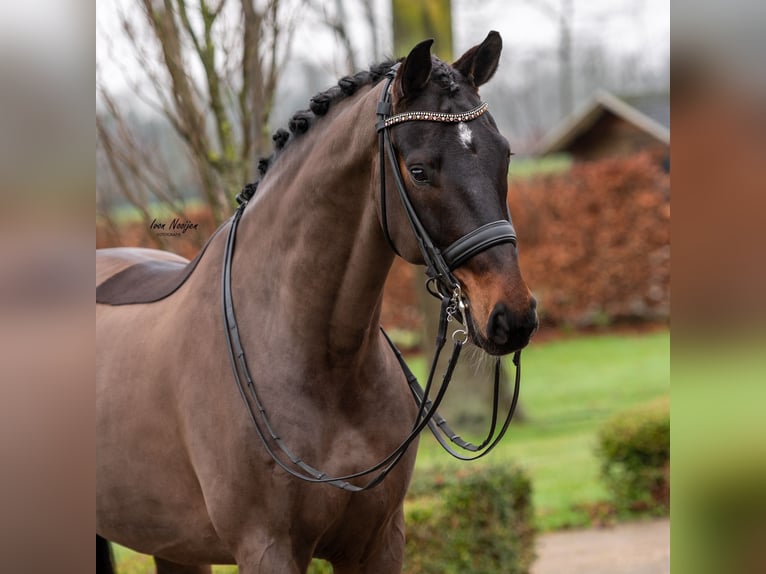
(634, 447)
(320, 567)
(477, 522)
(594, 242)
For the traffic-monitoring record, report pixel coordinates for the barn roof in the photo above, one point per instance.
(650, 113)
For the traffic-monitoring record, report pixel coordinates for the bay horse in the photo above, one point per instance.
(181, 473)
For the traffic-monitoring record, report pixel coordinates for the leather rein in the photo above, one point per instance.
(441, 283)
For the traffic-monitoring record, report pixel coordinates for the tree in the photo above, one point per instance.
(564, 17)
(416, 20)
(210, 68)
(335, 15)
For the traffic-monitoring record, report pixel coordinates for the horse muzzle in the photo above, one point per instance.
(501, 313)
(505, 331)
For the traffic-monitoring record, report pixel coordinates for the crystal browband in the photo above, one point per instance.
(436, 116)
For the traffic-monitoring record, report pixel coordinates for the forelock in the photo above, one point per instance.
(445, 76)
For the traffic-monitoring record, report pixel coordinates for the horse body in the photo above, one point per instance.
(181, 474)
(165, 383)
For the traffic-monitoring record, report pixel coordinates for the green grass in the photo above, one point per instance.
(569, 388)
(129, 562)
(127, 214)
(526, 167)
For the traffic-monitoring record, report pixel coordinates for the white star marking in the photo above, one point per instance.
(465, 135)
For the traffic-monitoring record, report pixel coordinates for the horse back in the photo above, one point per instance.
(111, 261)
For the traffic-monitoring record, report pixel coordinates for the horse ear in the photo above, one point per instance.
(416, 69)
(479, 63)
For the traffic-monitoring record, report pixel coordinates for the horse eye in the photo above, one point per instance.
(418, 174)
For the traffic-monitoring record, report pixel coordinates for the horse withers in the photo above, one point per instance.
(181, 473)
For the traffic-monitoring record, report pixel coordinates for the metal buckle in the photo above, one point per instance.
(456, 310)
(457, 306)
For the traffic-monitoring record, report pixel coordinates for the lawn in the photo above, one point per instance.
(527, 167)
(569, 388)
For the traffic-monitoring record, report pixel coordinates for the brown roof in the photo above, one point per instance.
(582, 119)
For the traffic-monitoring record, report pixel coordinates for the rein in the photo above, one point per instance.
(441, 283)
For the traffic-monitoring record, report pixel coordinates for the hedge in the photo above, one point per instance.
(477, 522)
(594, 245)
(594, 242)
(634, 447)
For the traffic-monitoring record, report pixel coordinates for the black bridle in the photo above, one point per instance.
(439, 264)
(441, 283)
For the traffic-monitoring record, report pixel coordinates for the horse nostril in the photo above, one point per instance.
(506, 330)
(499, 325)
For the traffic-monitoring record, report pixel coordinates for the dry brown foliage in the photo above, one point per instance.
(594, 246)
(594, 242)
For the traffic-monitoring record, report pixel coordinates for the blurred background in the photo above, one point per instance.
(573, 79)
(188, 94)
(559, 58)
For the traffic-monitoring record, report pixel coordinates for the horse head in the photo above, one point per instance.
(454, 170)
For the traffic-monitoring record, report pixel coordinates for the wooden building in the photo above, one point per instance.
(608, 126)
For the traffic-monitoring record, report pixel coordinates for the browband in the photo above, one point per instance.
(434, 117)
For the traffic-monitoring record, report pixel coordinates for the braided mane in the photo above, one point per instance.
(319, 105)
(442, 74)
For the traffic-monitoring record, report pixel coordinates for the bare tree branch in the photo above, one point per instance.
(121, 179)
(336, 20)
(372, 25)
(211, 69)
(563, 16)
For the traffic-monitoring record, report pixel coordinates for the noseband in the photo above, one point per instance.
(441, 283)
(439, 264)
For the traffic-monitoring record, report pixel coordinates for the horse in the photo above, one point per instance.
(181, 472)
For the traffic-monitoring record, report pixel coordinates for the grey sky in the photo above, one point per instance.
(620, 25)
(637, 30)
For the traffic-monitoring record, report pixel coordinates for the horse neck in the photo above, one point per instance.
(315, 242)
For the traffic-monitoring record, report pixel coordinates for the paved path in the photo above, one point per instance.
(630, 548)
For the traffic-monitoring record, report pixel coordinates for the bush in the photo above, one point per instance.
(477, 522)
(594, 242)
(634, 447)
(320, 567)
